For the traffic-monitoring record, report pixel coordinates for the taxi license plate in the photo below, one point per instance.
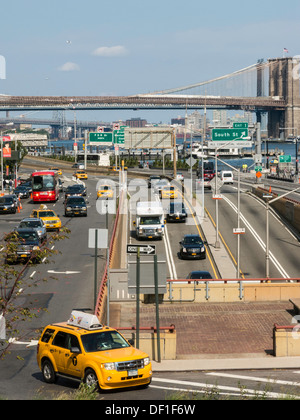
(132, 372)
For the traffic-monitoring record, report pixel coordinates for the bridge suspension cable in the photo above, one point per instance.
(247, 83)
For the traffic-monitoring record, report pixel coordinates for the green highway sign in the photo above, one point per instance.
(229, 134)
(119, 135)
(285, 159)
(240, 125)
(101, 139)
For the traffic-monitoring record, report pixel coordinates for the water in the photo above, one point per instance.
(287, 148)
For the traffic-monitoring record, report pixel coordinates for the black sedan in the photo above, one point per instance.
(176, 212)
(8, 204)
(75, 206)
(199, 275)
(192, 247)
(25, 244)
(23, 191)
(76, 189)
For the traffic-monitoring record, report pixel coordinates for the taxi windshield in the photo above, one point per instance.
(101, 341)
(47, 213)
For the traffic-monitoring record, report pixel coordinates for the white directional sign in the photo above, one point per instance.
(144, 249)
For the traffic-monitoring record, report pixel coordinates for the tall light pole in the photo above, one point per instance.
(268, 229)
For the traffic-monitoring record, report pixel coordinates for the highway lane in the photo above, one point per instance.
(284, 247)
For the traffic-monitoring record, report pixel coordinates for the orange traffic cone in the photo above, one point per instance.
(270, 190)
(18, 209)
(20, 205)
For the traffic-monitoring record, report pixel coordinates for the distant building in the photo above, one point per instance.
(136, 122)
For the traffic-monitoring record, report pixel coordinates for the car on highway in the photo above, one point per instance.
(75, 206)
(176, 212)
(199, 275)
(153, 179)
(78, 166)
(36, 224)
(159, 185)
(192, 247)
(105, 191)
(84, 350)
(179, 176)
(169, 192)
(22, 191)
(49, 217)
(75, 189)
(226, 177)
(57, 170)
(26, 244)
(80, 174)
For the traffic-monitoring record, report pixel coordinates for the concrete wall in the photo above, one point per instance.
(286, 342)
(232, 292)
(288, 209)
(148, 343)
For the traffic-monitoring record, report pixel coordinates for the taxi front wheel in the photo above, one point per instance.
(90, 379)
(48, 372)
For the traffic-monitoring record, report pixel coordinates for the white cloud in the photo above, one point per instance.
(69, 67)
(116, 51)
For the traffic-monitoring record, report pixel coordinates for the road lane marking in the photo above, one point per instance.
(254, 378)
(240, 390)
(259, 240)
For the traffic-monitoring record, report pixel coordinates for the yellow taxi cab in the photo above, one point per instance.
(49, 217)
(105, 191)
(59, 171)
(84, 350)
(169, 192)
(81, 174)
(118, 168)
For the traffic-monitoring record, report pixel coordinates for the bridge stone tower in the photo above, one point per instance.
(284, 78)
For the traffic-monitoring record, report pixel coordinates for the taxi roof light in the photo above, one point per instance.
(84, 320)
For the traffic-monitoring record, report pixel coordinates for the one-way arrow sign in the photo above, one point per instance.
(144, 249)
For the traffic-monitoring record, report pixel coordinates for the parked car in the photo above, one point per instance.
(176, 212)
(28, 245)
(75, 206)
(192, 247)
(34, 223)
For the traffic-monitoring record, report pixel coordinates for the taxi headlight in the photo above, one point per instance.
(109, 366)
(146, 361)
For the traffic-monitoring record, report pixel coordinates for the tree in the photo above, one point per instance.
(14, 282)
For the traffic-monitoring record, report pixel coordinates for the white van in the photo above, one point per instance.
(227, 177)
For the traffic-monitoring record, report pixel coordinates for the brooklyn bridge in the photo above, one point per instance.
(268, 87)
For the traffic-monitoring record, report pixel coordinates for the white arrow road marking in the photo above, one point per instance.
(28, 344)
(63, 272)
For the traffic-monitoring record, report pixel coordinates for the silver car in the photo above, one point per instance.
(34, 223)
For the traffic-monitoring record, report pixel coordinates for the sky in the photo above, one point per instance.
(125, 47)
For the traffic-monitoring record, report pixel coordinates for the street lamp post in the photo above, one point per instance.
(268, 229)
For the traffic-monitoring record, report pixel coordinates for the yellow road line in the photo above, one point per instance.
(196, 224)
